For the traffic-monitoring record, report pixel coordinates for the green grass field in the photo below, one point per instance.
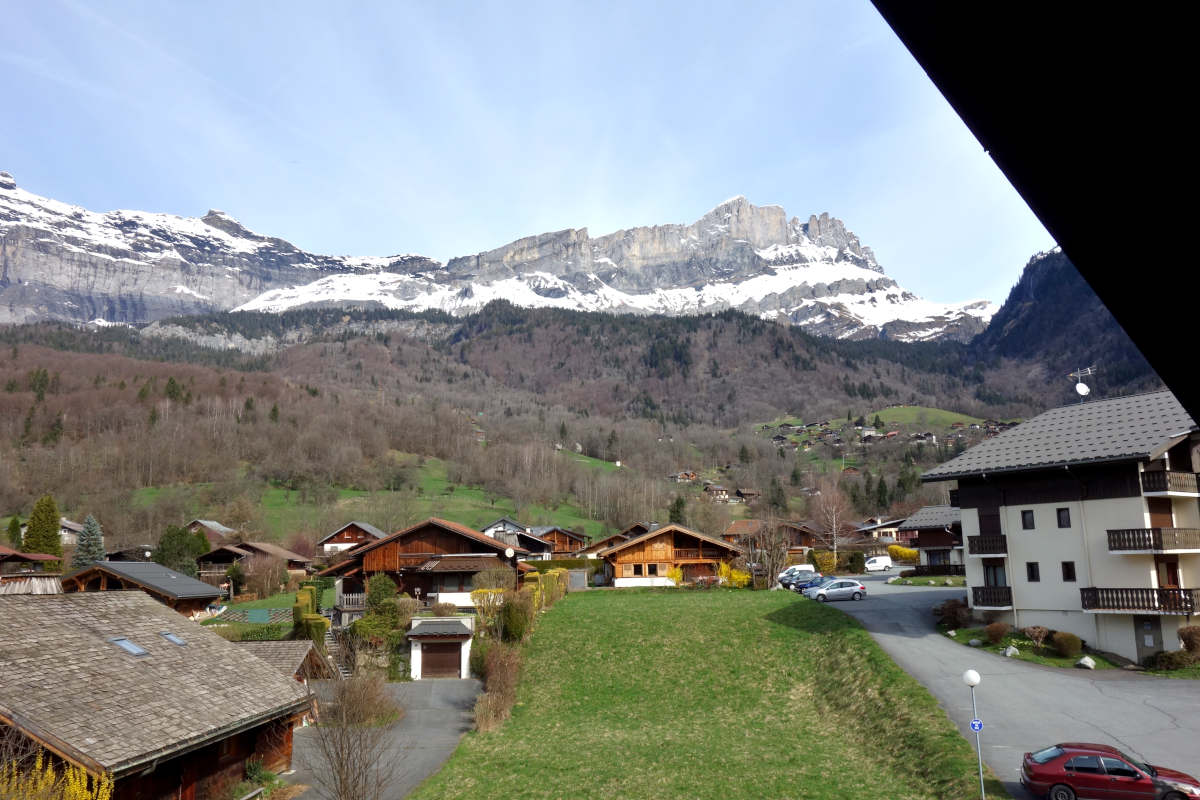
(921, 416)
(717, 694)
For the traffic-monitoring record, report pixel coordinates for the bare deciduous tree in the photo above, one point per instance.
(768, 547)
(350, 756)
(831, 513)
(265, 575)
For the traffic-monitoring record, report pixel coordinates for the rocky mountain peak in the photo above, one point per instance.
(828, 231)
(223, 222)
(7, 181)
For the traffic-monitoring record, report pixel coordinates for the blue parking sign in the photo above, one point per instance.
(977, 725)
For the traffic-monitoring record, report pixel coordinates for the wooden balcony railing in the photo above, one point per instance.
(352, 600)
(682, 554)
(1155, 601)
(992, 596)
(987, 545)
(1156, 539)
(921, 570)
(1169, 481)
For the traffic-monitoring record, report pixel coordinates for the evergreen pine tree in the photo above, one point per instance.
(178, 549)
(797, 475)
(877, 424)
(882, 497)
(776, 497)
(14, 532)
(42, 534)
(678, 507)
(90, 547)
(274, 414)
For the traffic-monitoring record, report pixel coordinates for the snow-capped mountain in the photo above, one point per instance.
(59, 261)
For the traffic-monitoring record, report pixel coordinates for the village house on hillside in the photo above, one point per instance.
(213, 564)
(350, 535)
(175, 590)
(13, 561)
(938, 532)
(1087, 519)
(215, 532)
(644, 560)
(117, 683)
(563, 541)
(432, 561)
(518, 535)
(68, 531)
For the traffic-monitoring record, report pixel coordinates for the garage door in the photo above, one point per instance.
(441, 659)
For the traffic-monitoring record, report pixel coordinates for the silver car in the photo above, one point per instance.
(837, 589)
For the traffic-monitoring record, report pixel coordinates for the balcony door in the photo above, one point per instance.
(1168, 571)
(1160, 512)
(993, 572)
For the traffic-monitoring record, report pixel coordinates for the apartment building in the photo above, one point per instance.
(1086, 519)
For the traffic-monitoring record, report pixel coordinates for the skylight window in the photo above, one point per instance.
(128, 646)
(174, 638)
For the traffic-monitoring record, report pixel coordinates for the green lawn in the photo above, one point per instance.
(922, 416)
(1192, 672)
(1046, 656)
(710, 694)
(282, 600)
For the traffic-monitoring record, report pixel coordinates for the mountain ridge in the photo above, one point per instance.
(63, 262)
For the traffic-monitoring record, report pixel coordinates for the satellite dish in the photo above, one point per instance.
(509, 552)
(1082, 389)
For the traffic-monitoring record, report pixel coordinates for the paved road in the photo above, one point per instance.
(1024, 706)
(437, 714)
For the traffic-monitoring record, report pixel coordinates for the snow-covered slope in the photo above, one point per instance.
(59, 261)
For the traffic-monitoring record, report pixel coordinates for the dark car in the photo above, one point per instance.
(1080, 770)
(801, 585)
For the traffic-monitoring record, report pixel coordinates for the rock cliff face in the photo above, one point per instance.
(59, 261)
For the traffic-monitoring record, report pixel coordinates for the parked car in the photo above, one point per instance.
(808, 583)
(837, 589)
(796, 572)
(1079, 770)
(878, 563)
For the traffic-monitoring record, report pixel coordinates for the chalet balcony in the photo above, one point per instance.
(1134, 541)
(992, 597)
(1140, 601)
(987, 546)
(1168, 483)
(688, 554)
(925, 570)
(352, 601)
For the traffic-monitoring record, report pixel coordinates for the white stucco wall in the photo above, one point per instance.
(655, 580)
(460, 599)
(414, 652)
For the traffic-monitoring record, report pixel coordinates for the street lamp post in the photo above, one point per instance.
(971, 678)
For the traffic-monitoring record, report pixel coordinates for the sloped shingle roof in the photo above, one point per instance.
(1121, 429)
(933, 517)
(287, 657)
(61, 677)
(155, 576)
(366, 526)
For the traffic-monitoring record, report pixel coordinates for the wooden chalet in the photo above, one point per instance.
(433, 561)
(175, 590)
(299, 660)
(213, 564)
(215, 532)
(644, 560)
(349, 536)
(118, 684)
(938, 538)
(716, 493)
(593, 550)
(12, 561)
(140, 552)
(563, 542)
(518, 535)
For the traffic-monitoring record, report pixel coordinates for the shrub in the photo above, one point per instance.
(381, 594)
(739, 579)
(1067, 644)
(478, 658)
(406, 608)
(899, 552)
(675, 575)
(444, 609)
(314, 627)
(490, 712)
(907, 573)
(1036, 634)
(825, 563)
(516, 615)
(1190, 636)
(488, 603)
(502, 668)
(997, 631)
(858, 562)
(497, 578)
(1172, 659)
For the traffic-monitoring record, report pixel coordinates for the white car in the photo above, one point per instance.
(794, 570)
(879, 563)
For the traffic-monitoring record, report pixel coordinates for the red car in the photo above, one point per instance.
(1078, 770)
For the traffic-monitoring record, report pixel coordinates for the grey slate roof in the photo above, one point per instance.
(287, 657)
(213, 525)
(156, 576)
(439, 628)
(541, 530)
(1121, 429)
(61, 677)
(933, 517)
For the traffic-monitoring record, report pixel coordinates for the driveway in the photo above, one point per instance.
(1024, 706)
(437, 714)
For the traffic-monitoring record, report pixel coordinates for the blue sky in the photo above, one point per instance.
(449, 128)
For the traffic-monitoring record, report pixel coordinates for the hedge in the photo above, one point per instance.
(313, 627)
(590, 564)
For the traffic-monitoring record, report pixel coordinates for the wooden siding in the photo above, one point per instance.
(937, 537)
(416, 548)
(350, 535)
(671, 547)
(561, 543)
(1030, 488)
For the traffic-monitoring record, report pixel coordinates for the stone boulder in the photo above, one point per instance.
(1087, 662)
(975, 643)
(1010, 652)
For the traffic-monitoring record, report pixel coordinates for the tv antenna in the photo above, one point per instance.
(1081, 388)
